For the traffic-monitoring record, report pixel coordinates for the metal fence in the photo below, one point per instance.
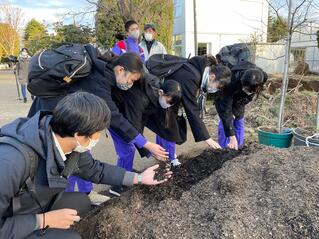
(270, 56)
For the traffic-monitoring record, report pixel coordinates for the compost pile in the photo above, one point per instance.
(258, 192)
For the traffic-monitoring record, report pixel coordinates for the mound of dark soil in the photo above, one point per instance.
(269, 193)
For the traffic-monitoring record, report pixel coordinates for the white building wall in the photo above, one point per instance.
(312, 58)
(270, 57)
(308, 42)
(221, 23)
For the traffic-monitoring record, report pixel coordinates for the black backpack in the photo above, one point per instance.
(53, 70)
(233, 54)
(31, 161)
(164, 65)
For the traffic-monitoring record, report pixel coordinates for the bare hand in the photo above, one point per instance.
(157, 151)
(233, 144)
(148, 176)
(213, 144)
(62, 218)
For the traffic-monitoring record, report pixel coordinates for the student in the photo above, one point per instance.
(150, 47)
(190, 78)
(61, 142)
(22, 72)
(106, 76)
(162, 117)
(131, 43)
(140, 106)
(246, 84)
(149, 105)
(149, 43)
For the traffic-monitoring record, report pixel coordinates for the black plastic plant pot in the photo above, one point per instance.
(304, 137)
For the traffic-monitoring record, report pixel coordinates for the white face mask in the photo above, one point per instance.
(125, 86)
(24, 54)
(135, 34)
(81, 149)
(211, 84)
(212, 90)
(148, 36)
(163, 102)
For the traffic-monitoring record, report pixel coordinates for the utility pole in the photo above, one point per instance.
(285, 80)
(195, 28)
(318, 113)
(318, 94)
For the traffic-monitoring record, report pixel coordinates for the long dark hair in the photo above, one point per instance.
(254, 79)
(172, 89)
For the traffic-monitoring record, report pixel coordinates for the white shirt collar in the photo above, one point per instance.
(59, 147)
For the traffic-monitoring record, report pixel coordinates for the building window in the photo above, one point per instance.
(178, 8)
(177, 39)
(299, 54)
(177, 51)
(202, 49)
(177, 45)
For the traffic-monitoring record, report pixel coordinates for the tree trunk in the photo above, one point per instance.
(285, 80)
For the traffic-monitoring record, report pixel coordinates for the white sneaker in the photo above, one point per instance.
(176, 162)
(97, 199)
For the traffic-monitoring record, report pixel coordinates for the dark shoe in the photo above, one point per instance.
(25, 100)
(117, 191)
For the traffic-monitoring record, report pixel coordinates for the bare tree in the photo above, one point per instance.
(11, 15)
(298, 13)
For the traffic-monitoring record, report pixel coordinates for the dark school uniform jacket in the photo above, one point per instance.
(230, 103)
(100, 82)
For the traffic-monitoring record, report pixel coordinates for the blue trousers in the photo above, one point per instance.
(169, 146)
(239, 127)
(24, 91)
(125, 151)
(83, 185)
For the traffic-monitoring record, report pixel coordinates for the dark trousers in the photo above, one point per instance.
(76, 201)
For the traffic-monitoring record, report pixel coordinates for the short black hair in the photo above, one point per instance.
(82, 113)
(131, 62)
(210, 60)
(150, 25)
(173, 89)
(24, 49)
(128, 24)
(223, 75)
